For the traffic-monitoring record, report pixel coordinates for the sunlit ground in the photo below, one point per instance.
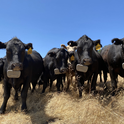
(66, 107)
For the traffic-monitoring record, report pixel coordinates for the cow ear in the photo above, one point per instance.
(2, 45)
(117, 41)
(51, 54)
(97, 44)
(29, 45)
(62, 45)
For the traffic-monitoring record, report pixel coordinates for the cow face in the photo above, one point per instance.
(84, 50)
(72, 46)
(60, 59)
(15, 53)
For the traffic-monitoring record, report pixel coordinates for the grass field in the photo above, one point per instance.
(66, 107)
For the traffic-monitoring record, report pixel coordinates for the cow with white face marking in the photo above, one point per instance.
(70, 72)
(20, 68)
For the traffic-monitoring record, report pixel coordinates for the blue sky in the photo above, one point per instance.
(50, 23)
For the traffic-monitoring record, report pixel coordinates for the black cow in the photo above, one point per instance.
(115, 60)
(87, 62)
(20, 68)
(55, 64)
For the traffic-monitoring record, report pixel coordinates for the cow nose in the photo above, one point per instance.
(17, 66)
(87, 61)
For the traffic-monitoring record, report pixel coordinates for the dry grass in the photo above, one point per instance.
(67, 108)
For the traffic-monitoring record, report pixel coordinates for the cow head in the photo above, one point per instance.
(85, 49)
(72, 46)
(60, 59)
(15, 53)
(117, 41)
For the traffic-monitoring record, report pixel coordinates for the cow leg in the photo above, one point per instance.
(93, 84)
(68, 81)
(89, 83)
(100, 76)
(80, 83)
(105, 78)
(7, 88)
(63, 77)
(24, 95)
(59, 81)
(63, 80)
(16, 95)
(113, 80)
(51, 83)
(34, 85)
(45, 85)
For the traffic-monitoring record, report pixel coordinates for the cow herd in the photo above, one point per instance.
(81, 59)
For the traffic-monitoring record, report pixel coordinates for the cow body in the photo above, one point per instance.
(55, 58)
(18, 60)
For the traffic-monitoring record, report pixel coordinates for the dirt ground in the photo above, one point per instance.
(66, 107)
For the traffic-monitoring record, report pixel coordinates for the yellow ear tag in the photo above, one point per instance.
(98, 46)
(29, 51)
(72, 58)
